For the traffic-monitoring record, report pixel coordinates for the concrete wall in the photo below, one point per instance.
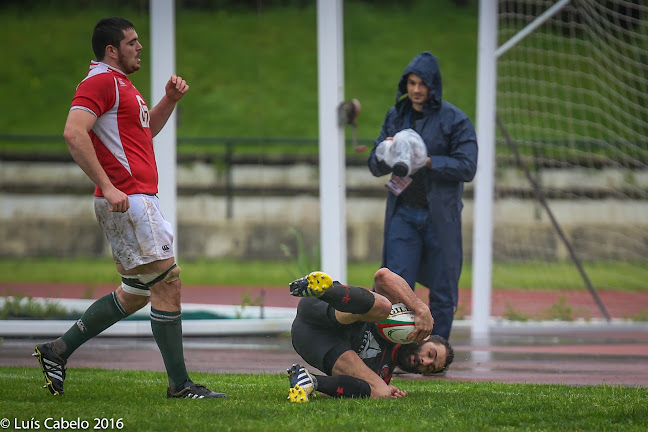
(58, 223)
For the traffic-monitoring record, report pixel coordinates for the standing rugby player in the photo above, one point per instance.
(109, 132)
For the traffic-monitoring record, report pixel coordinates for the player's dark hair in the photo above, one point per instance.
(109, 31)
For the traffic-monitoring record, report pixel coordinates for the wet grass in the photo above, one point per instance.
(616, 275)
(136, 401)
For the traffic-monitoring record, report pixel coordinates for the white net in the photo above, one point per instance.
(573, 97)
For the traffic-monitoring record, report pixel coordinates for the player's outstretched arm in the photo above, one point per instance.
(175, 90)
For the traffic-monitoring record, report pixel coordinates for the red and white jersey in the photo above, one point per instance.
(121, 136)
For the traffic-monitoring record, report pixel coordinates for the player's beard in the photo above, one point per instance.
(126, 66)
(404, 357)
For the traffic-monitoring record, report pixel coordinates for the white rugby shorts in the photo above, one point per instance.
(138, 236)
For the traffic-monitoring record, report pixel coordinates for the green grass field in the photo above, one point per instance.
(528, 275)
(258, 403)
(254, 74)
(251, 72)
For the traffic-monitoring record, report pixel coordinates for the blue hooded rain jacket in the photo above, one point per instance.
(451, 143)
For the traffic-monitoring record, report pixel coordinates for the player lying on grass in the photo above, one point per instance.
(335, 332)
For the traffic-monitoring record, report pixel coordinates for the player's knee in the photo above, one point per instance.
(140, 284)
(135, 303)
(173, 274)
(130, 303)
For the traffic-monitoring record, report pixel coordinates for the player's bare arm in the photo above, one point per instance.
(397, 290)
(175, 90)
(351, 364)
(77, 126)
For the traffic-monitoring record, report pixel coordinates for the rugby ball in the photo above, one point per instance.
(398, 325)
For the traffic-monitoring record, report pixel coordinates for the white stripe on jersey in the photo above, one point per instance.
(82, 108)
(106, 127)
(107, 130)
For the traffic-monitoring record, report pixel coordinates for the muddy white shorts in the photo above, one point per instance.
(138, 236)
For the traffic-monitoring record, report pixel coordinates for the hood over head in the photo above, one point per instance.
(426, 66)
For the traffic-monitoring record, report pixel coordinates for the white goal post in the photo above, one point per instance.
(567, 85)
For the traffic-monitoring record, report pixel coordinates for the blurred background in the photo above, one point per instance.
(571, 99)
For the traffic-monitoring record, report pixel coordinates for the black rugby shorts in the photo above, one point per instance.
(317, 336)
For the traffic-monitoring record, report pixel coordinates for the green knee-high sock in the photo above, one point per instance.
(167, 331)
(101, 314)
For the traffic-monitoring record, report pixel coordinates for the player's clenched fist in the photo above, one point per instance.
(176, 88)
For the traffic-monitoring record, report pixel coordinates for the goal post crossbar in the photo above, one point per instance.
(532, 26)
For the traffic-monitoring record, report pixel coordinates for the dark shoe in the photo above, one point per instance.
(194, 391)
(53, 367)
(313, 285)
(301, 384)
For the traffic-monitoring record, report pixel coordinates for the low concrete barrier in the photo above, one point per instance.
(249, 219)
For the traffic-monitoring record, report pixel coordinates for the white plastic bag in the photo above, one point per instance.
(405, 153)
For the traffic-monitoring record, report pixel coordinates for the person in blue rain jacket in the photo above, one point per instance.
(422, 231)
